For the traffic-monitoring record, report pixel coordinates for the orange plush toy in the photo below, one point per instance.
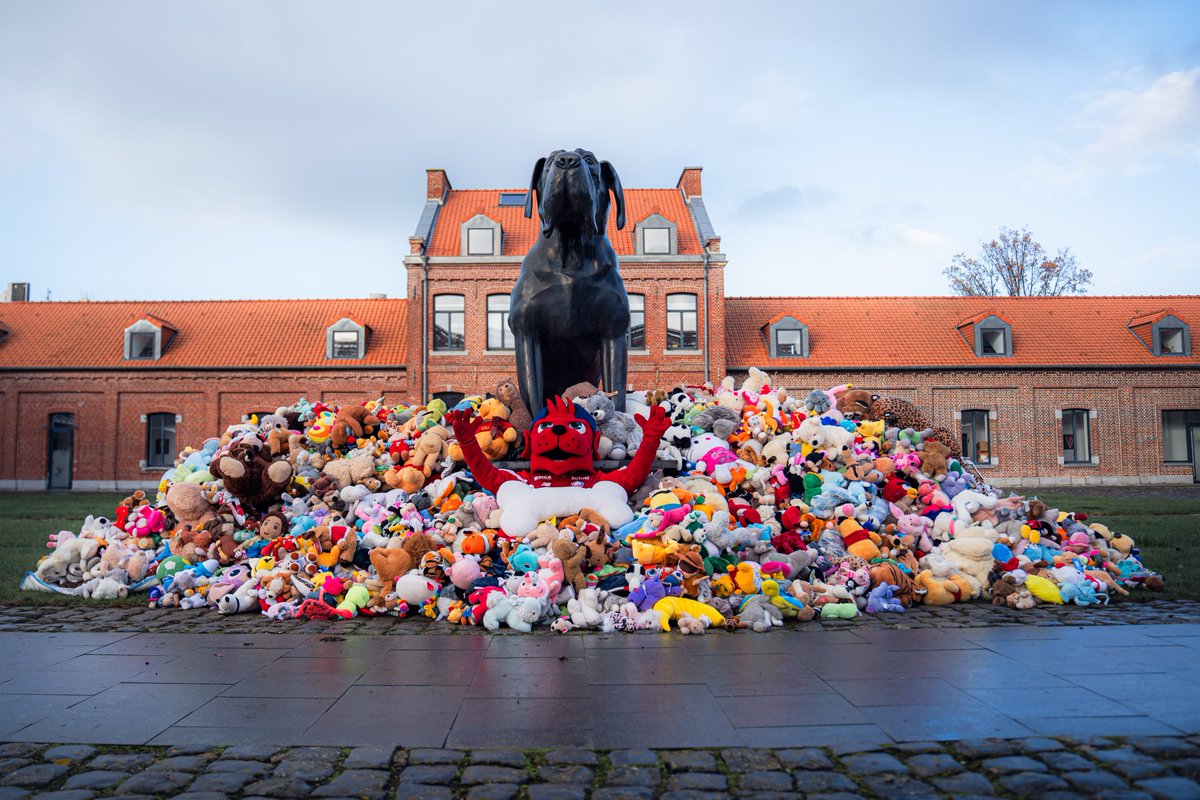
(858, 540)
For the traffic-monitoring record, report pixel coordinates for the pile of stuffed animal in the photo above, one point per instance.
(734, 507)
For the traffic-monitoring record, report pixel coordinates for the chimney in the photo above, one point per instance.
(16, 293)
(436, 184)
(689, 182)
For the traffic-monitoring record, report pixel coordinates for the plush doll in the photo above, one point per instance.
(619, 433)
(352, 424)
(432, 447)
(250, 475)
(713, 456)
(562, 478)
(672, 608)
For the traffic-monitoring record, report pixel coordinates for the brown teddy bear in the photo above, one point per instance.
(352, 470)
(518, 412)
(933, 459)
(250, 475)
(856, 403)
(430, 449)
(188, 504)
(355, 422)
(572, 557)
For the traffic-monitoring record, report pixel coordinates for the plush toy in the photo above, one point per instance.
(432, 447)
(561, 478)
(880, 599)
(672, 608)
(759, 614)
(619, 432)
(933, 460)
(838, 611)
(508, 393)
(250, 475)
(1044, 589)
(571, 555)
(352, 424)
(354, 469)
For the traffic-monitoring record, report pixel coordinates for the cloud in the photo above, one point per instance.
(919, 238)
(1130, 131)
(785, 201)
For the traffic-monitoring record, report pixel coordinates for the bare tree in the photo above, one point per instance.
(1014, 264)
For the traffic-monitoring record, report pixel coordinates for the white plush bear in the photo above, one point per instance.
(69, 552)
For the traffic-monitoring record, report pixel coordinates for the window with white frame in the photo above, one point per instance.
(976, 436)
(1076, 436)
(160, 440)
(637, 322)
(656, 241)
(449, 322)
(682, 327)
(142, 341)
(499, 336)
(481, 242)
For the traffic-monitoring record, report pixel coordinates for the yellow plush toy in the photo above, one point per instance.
(676, 607)
(1043, 589)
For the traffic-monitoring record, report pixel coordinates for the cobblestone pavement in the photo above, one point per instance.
(104, 619)
(1052, 768)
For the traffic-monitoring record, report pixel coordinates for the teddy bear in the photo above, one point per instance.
(572, 556)
(518, 411)
(277, 431)
(430, 449)
(586, 609)
(718, 420)
(351, 470)
(250, 475)
(188, 504)
(352, 423)
(942, 591)
(619, 432)
(933, 459)
(1006, 591)
(856, 403)
(496, 438)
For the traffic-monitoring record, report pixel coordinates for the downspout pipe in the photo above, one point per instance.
(424, 327)
(707, 377)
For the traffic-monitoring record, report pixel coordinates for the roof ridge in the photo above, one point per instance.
(988, 299)
(214, 300)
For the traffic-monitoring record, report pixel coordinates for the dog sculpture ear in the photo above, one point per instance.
(613, 182)
(535, 185)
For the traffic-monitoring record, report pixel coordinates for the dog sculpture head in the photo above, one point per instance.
(572, 190)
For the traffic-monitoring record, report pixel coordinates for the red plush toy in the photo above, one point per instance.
(562, 476)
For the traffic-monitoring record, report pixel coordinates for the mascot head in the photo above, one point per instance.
(563, 439)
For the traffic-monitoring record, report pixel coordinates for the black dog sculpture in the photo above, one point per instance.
(569, 311)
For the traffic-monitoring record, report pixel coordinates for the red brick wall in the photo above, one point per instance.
(110, 438)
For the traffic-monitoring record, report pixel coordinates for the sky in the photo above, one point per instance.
(211, 149)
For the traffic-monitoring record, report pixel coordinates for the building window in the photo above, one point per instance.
(449, 322)
(789, 341)
(637, 322)
(681, 322)
(1170, 342)
(160, 440)
(480, 242)
(499, 336)
(786, 337)
(345, 344)
(141, 345)
(512, 198)
(345, 339)
(142, 341)
(657, 241)
(1177, 440)
(993, 337)
(976, 436)
(1077, 446)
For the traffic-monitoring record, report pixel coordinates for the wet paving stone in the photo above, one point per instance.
(157, 783)
(279, 787)
(9, 764)
(1171, 788)
(815, 782)
(555, 791)
(69, 753)
(565, 773)
(873, 764)
(586, 758)
(765, 781)
(928, 764)
(494, 791)
(485, 773)
(966, 783)
(21, 749)
(369, 758)
(222, 782)
(430, 756)
(251, 752)
(1094, 781)
(408, 791)
(746, 760)
(502, 758)
(804, 758)
(897, 786)
(1029, 784)
(302, 769)
(690, 761)
(633, 758)
(181, 763)
(238, 766)
(633, 776)
(1009, 764)
(364, 783)
(95, 779)
(988, 748)
(698, 781)
(438, 774)
(34, 775)
(623, 793)
(62, 794)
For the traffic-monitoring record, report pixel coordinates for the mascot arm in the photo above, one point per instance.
(634, 474)
(484, 471)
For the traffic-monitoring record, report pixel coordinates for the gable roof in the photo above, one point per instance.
(903, 332)
(209, 333)
(520, 233)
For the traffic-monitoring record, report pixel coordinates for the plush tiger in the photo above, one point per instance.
(888, 572)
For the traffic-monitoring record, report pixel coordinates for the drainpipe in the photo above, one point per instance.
(424, 328)
(706, 324)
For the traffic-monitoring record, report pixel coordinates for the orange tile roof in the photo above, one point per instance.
(210, 333)
(520, 233)
(883, 332)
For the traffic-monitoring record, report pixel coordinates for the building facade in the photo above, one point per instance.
(1041, 391)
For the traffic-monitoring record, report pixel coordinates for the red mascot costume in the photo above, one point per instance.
(562, 478)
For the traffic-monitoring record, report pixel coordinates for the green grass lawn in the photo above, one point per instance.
(1167, 531)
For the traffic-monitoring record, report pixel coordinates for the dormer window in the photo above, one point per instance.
(655, 236)
(787, 337)
(481, 237)
(512, 198)
(993, 337)
(346, 339)
(1172, 337)
(143, 341)
(3, 331)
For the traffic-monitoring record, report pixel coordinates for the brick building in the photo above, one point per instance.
(1043, 391)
